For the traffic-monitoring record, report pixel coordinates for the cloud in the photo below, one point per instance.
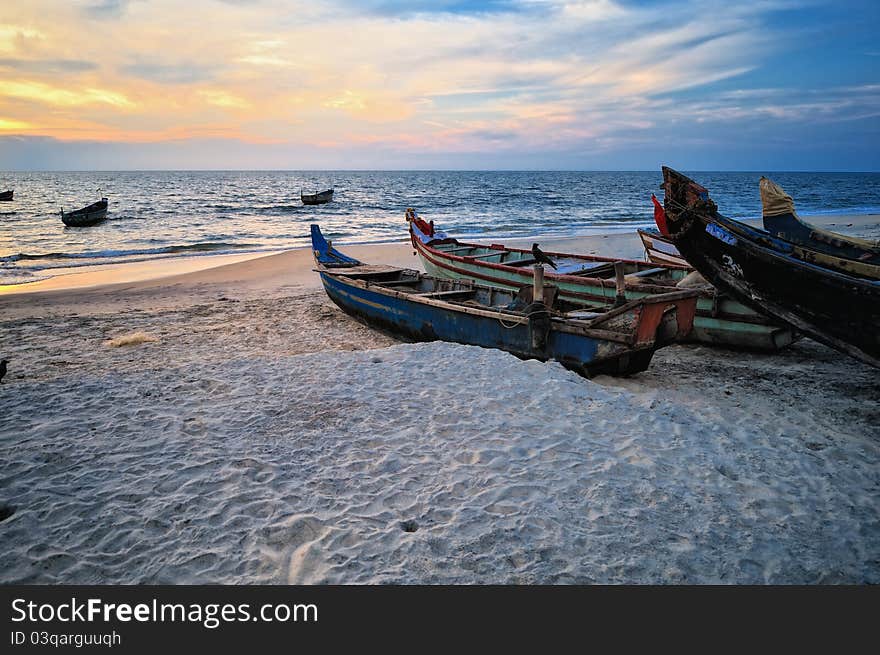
(63, 97)
(107, 8)
(47, 66)
(176, 73)
(523, 76)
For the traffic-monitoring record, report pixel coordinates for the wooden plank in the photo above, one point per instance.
(488, 254)
(446, 294)
(521, 262)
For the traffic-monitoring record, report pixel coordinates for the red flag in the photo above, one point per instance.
(660, 216)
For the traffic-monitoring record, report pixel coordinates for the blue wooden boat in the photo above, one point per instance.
(763, 272)
(420, 307)
(781, 221)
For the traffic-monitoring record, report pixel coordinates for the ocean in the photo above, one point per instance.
(156, 214)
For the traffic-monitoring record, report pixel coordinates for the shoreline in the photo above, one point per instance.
(617, 243)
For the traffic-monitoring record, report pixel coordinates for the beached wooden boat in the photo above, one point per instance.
(660, 249)
(320, 198)
(837, 309)
(620, 341)
(589, 281)
(91, 215)
(6, 196)
(781, 221)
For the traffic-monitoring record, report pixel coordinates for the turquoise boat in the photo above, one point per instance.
(589, 281)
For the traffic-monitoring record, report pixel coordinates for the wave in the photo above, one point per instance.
(201, 247)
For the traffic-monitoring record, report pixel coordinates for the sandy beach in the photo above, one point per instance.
(212, 420)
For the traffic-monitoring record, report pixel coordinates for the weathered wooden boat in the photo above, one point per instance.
(781, 220)
(320, 198)
(91, 215)
(660, 249)
(6, 196)
(589, 281)
(421, 307)
(837, 309)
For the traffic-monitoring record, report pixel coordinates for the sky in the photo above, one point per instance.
(452, 84)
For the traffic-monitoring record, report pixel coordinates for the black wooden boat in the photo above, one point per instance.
(781, 220)
(91, 215)
(835, 308)
(6, 196)
(316, 198)
(619, 341)
(808, 253)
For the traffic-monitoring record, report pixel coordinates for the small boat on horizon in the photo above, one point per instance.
(589, 280)
(618, 341)
(770, 275)
(90, 215)
(6, 196)
(320, 198)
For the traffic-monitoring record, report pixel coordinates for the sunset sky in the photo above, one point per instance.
(518, 84)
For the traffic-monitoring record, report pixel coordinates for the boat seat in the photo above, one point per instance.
(594, 271)
(521, 262)
(399, 283)
(446, 294)
(583, 314)
(497, 253)
(648, 272)
(455, 250)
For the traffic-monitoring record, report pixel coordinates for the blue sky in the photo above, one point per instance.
(385, 84)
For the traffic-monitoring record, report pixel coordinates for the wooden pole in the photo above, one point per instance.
(538, 284)
(621, 284)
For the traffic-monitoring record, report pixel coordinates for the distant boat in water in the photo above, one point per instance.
(91, 215)
(316, 198)
(6, 196)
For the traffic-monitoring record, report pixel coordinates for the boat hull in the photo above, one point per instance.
(425, 322)
(321, 198)
(91, 215)
(839, 310)
(719, 321)
(789, 228)
(660, 250)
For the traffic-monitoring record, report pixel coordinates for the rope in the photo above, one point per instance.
(530, 314)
